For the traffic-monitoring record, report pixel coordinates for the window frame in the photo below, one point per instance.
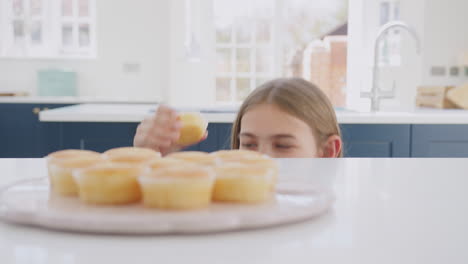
(274, 44)
(75, 20)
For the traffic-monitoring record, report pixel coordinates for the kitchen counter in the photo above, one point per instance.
(68, 100)
(386, 211)
(136, 113)
(131, 113)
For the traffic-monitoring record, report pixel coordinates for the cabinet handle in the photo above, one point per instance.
(36, 110)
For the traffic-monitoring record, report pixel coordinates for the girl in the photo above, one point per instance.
(283, 118)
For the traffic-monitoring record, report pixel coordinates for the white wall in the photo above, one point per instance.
(128, 32)
(1, 14)
(192, 82)
(446, 38)
(359, 56)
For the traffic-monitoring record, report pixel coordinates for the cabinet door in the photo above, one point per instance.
(207, 145)
(369, 140)
(224, 136)
(439, 141)
(21, 133)
(97, 136)
(17, 130)
(48, 136)
(218, 138)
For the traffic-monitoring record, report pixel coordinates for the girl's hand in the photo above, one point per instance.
(160, 132)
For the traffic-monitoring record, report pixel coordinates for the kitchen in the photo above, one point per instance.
(83, 74)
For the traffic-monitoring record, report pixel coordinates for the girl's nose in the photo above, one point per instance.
(266, 149)
(262, 148)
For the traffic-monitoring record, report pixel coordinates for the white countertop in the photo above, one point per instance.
(117, 113)
(402, 211)
(69, 100)
(137, 112)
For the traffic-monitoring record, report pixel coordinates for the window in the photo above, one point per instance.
(76, 23)
(244, 47)
(47, 28)
(23, 32)
(257, 40)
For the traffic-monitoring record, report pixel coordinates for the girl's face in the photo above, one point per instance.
(269, 130)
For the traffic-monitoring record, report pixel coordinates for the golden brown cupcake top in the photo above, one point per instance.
(78, 162)
(111, 169)
(71, 153)
(236, 169)
(198, 157)
(188, 118)
(258, 161)
(187, 171)
(236, 154)
(131, 155)
(165, 162)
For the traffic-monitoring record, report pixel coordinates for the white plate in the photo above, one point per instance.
(30, 202)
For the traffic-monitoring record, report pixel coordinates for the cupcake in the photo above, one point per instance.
(165, 162)
(251, 158)
(109, 183)
(244, 182)
(70, 153)
(193, 128)
(131, 155)
(179, 188)
(236, 154)
(264, 161)
(61, 170)
(197, 157)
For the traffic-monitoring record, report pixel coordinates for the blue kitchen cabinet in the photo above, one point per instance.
(224, 136)
(376, 140)
(22, 135)
(96, 136)
(218, 138)
(439, 141)
(103, 136)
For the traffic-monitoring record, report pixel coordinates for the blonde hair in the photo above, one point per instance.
(296, 97)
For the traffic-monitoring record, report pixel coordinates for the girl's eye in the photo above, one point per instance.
(283, 147)
(248, 145)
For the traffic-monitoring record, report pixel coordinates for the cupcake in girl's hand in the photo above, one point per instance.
(193, 128)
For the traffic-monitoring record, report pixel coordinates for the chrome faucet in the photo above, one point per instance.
(376, 94)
